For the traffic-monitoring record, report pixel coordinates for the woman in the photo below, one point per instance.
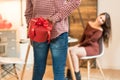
(89, 45)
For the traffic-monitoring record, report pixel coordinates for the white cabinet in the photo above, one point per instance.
(12, 44)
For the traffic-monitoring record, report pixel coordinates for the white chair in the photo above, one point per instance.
(13, 61)
(88, 58)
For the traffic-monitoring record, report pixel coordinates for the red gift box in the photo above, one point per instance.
(39, 30)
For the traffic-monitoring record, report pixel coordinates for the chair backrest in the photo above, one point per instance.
(101, 49)
(101, 46)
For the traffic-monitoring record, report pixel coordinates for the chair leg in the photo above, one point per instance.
(0, 71)
(9, 69)
(101, 71)
(15, 72)
(88, 67)
(71, 67)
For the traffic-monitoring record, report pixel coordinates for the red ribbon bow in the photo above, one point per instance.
(39, 29)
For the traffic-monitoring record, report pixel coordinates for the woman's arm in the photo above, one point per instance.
(96, 35)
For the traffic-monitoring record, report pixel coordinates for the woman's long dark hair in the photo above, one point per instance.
(107, 33)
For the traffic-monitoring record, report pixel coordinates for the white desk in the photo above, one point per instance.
(71, 40)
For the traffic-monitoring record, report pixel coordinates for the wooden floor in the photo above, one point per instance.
(95, 75)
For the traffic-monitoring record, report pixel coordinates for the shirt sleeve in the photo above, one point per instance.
(28, 11)
(93, 38)
(96, 36)
(66, 10)
(82, 38)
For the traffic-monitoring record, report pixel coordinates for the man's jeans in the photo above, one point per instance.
(58, 48)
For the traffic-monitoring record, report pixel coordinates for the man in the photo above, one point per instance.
(57, 12)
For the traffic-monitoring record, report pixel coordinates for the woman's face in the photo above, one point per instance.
(101, 19)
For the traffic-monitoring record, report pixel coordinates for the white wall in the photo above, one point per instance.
(11, 11)
(112, 54)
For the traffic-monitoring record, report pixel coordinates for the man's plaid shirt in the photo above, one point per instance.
(59, 10)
